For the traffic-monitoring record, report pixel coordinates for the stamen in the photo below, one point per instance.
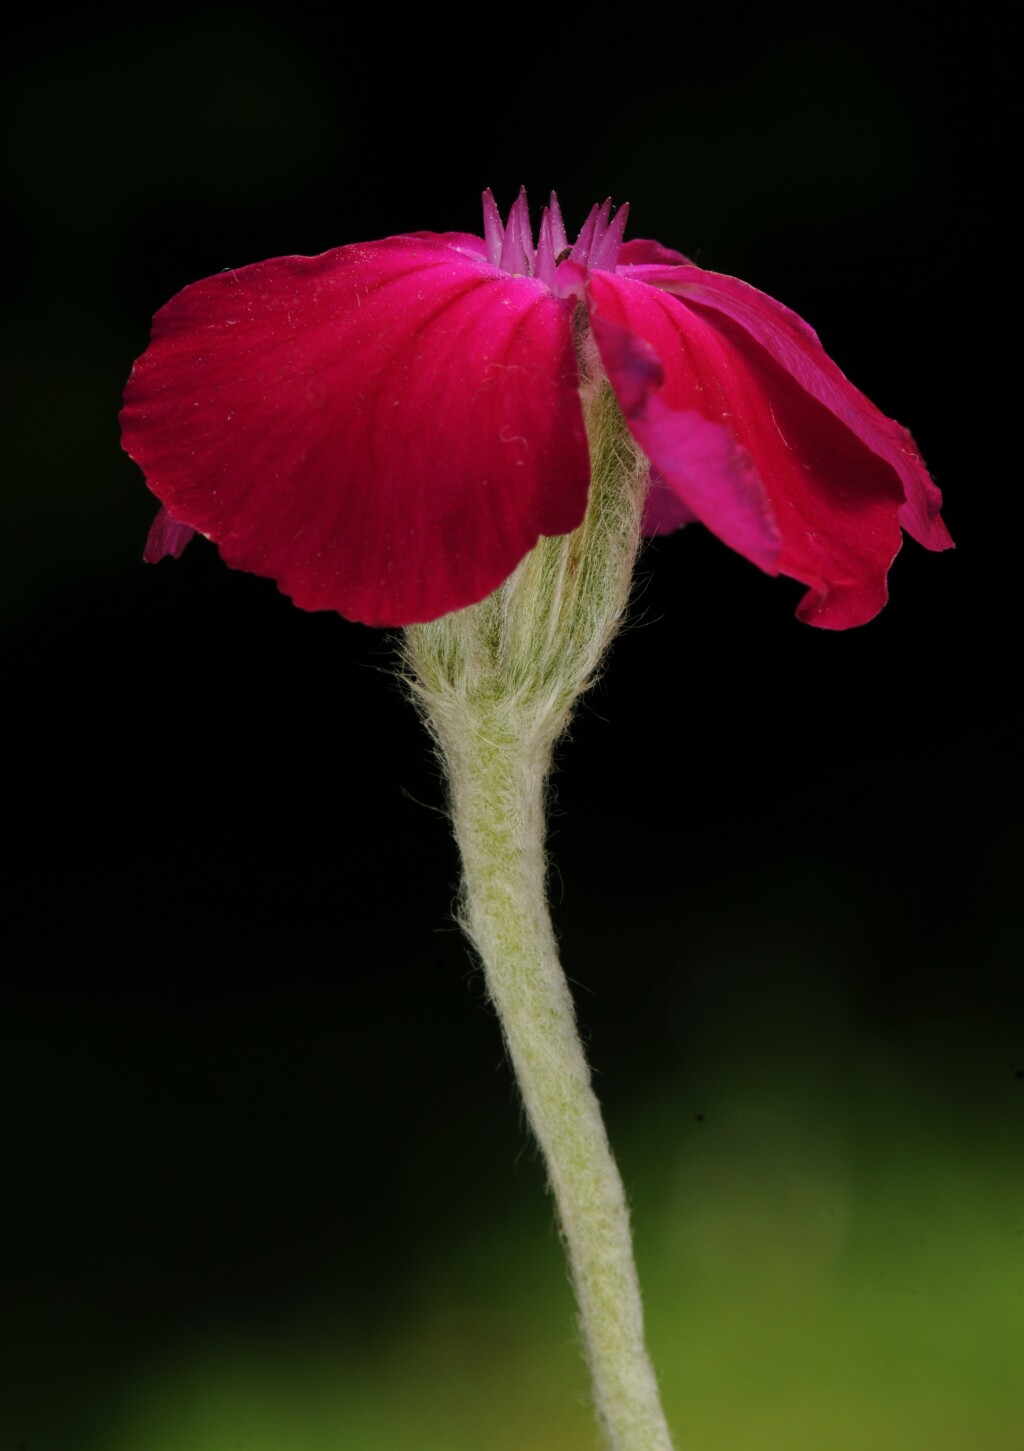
(546, 262)
(581, 251)
(510, 246)
(559, 241)
(600, 226)
(494, 232)
(606, 255)
(517, 248)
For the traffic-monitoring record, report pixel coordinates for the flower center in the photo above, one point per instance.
(511, 247)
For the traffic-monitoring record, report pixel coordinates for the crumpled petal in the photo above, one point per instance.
(166, 538)
(836, 478)
(385, 430)
(794, 346)
(659, 388)
(664, 511)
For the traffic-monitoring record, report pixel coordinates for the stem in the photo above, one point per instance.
(496, 684)
(498, 811)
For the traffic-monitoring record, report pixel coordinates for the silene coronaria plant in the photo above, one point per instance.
(466, 438)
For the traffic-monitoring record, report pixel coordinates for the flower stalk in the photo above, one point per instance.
(497, 683)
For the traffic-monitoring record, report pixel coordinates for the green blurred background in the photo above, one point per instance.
(267, 1184)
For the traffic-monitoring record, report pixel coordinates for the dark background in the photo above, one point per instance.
(244, 1049)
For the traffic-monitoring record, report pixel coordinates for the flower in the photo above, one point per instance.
(388, 428)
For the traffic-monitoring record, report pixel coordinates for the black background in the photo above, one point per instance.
(241, 1034)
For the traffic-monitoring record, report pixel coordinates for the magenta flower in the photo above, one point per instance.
(387, 429)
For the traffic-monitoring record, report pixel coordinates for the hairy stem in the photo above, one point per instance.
(499, 820)
(496, 684)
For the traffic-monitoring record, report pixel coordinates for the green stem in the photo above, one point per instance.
(498, 811)
(497, 683)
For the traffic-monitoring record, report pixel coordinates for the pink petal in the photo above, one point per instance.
(794, 347)
(799, 471)
(641, 250)
(385, 430)
(664, 510)
(660, 394)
